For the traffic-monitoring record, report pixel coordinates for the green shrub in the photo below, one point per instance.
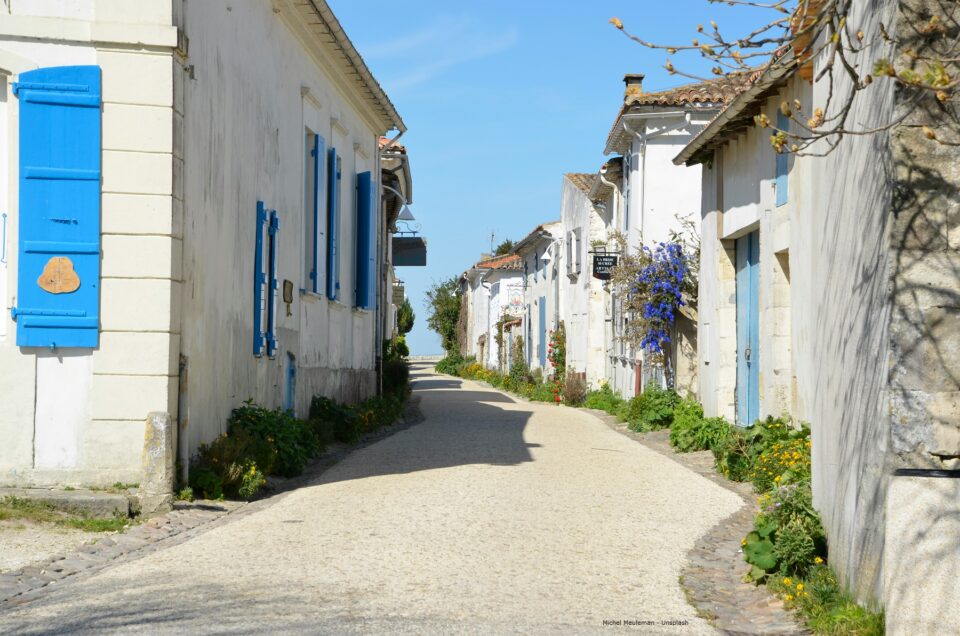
(603, 399)
(232, 464)
(651, 410)
(293, 440)
(788, 537)
(690, 431)
(326, 416)
(738, 452)
(449, 364)
(396, 377)
(574, 389)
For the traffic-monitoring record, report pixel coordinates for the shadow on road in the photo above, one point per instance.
(460, 427)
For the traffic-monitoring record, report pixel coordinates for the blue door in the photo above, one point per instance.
(543, 333)
(748, 337)
(290, 398)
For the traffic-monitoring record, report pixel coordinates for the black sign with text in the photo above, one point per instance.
(603, 265)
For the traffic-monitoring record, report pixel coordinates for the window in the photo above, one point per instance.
(366, 247)
(265, 282)
(783, 123)
(333, 224)
(314, 224)
(574, 248)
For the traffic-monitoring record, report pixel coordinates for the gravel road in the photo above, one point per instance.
(491, 516)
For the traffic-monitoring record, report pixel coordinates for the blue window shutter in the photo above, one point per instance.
(366, 241)
(319, 158)
(333, 226)
(274, 234)
(59, 205)
(259, 283)
(783, 123)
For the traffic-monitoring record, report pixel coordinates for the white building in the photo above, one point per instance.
(493, 288)
(828, 291)
(658, 198)
(540, 258)
(192, 219)
(585, 217)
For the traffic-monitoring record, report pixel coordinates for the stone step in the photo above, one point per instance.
(92, 504)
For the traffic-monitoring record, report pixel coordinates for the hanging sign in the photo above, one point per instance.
(399, 295)
(603, 265)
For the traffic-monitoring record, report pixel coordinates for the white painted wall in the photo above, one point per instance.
(584, 298)
(243, 119)
(77, 416)
(504, 285)
(542, 281)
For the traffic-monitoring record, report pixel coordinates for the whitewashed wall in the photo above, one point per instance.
(254, 88)
(502, 284)
(584, 298)
(542, 281)
(76, 416)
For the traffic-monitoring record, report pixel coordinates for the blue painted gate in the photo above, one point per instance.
(748, 337)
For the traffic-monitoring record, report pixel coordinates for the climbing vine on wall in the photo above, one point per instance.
(653, 283)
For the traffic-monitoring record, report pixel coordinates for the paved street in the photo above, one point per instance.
(490, 516)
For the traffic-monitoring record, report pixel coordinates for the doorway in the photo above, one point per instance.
(748, 338)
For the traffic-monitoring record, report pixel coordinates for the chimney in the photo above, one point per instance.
(634, 85)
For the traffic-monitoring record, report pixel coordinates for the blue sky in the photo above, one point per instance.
(501, 98)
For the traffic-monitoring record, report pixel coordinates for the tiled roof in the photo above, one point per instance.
(582, 180)
(738, 114)
(382, 143)
(709, 93)
(507, 261)
(706, 95)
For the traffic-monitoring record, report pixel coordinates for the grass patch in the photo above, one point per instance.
(19, 509)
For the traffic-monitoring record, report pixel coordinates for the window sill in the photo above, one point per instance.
(310, 296)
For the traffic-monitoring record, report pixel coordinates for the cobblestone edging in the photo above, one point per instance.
(712, 576)
(181, 524)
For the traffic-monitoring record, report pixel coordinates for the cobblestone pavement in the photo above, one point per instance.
(492, 515)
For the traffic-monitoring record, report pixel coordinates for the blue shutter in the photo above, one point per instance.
(319, 155)
(274, 234)
(333, 227)
(366, 241)
(59, 205)
(783, 123)
(259, 283)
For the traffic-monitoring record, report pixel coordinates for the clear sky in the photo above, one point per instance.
(501, 98)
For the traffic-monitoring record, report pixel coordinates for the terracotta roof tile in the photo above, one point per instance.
(708, 92)
(507, 261)
(582, 180)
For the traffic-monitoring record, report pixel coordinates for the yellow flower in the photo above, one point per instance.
(799, 587)
(818, 560)
(777, 478)
(789, 597)
(787, 581)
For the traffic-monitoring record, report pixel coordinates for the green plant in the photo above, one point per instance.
(651, 410)
(443, 300)
(788, 537)
(824, 606)
(396, 377)
(326, 416)
(574, 389)
(739, 451)
(221, 468)
(690, 431)
(185, 494)
(782, 462)
(603, 399)
(557, 351)
(405, 317)
(293, 440)
(449, 364)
